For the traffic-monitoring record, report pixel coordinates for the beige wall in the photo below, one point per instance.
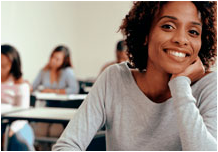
(89, 29)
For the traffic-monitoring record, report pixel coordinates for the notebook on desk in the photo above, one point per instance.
(54, 96)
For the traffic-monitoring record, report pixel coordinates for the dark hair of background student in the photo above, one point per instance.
(66, 62)
(121, 46)
(14, 57)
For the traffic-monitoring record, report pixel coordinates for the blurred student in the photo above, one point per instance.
(15, 92)
(58, 75)
(121, 54)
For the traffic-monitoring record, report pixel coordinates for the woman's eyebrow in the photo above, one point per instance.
(174, 18)
(196, 23)
(166, 16)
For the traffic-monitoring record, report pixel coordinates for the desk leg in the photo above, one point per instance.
(6, 138)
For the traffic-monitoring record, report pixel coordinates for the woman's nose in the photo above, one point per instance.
(180, 37)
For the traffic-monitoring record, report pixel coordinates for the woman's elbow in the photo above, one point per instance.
(74, 90)
(61, 147)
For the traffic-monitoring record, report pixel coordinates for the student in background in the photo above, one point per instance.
(121, 54)
(15, 92)
(57, 76)
(168, 102)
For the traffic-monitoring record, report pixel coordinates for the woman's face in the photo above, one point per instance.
(5, 66)
(175, 37)
(56, 60)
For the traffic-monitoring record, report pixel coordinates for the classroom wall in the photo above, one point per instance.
(89, 29)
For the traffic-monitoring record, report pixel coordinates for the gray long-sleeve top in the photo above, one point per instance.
(66, 81)
(186, 121)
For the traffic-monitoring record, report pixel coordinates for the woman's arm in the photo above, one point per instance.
(87, 121)
(37, 81)
(58, 91)
(197, 125)
(72, 83)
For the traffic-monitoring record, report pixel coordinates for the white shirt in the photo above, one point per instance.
(15, 95)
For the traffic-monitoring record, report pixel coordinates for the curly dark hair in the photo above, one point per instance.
(137, 23)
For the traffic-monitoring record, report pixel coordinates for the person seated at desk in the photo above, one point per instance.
(15, 92)
(121, 55)
(58, 75)
(168, 101)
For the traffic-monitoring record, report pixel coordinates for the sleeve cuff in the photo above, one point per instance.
(181, 90)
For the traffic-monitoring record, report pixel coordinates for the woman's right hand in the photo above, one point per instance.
(194, 71)
(47, 91)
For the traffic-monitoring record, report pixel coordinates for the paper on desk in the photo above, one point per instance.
(53, 96)
(77, 96)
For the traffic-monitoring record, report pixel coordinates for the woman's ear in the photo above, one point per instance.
(146, 40)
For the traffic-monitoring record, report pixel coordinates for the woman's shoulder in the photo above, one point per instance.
(209, 77)
(117, 72)
(67, 70)
(22, 83)
(117, 68)
(43, 72)
(107, 65)
(19, 81)
(207, 82)
(205, 91)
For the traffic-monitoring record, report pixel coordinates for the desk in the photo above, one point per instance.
(60, 100)
(6, 109)
(85, 86)
(58, 97)
(41, 114)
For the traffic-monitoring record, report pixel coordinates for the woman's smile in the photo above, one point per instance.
(177, 54)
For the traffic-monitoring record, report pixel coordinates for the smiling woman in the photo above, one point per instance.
(137, 26)
(168, 100)
(174, 39)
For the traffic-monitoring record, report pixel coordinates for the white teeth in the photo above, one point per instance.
(177, 54)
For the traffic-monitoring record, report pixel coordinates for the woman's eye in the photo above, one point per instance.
(194, 32)
(167, 26)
